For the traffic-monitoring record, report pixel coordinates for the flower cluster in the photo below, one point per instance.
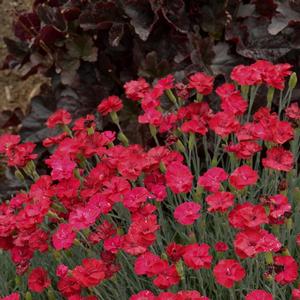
(212, 206)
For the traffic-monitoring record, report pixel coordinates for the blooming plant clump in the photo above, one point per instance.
(209, 211)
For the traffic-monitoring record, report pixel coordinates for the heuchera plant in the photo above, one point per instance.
(210, 211)
(89, 49)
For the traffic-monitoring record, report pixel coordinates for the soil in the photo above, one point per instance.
(14, 92)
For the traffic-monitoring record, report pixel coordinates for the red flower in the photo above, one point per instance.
(143, 295)
(38, 280)
(228, 271)
(223, 123)
(187, 213)
(136, 89)
(167, 278)
(191, 295)
(149, 264)
(259, 295)
(83, 217)
(110, 104)
(151, 116)
(245, 75)
(60, 117)
(212, 178)
(167, 296)
(21, 154)
(219, 201)
(250, 242)
(175, 251)
(231, 99)
(13, 296)
(293, 111)
(90, 273)
(165, 83)
(202, 83)
(279, 206)
(113, 244)
(62, 166)
(64, 237)
(288, 269)
(197, 256)
(244, 150)
(296, 294)
(221, 247)
(282, 132)
(196, 126)
(242, 177)
(179, 178)
(279, 159)
(247, 215)
(8, 140)
(134, 199)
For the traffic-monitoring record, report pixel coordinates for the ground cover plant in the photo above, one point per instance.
(208, 209)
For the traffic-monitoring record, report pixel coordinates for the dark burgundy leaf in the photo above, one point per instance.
(52, 3)
(49, 35)
(51, 16)
(26, 26)
(285, 15)
(254, 41)
(8, 184)
(116, 33)
(11, 118)
(70, 13)
(17, 48)
(81, 47)
(266, 8)
(100, 15)
(142, 16)
(175, 13)
(245, 10)
(223, 61)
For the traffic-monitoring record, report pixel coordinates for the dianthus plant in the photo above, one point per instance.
(210, 211)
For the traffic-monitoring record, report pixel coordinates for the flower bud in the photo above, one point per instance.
(18, 280)
(180, 147)
(19, 175)
(90, 131)
(171, 96)
(269, 258)
(289, 224)
(162, 167)
(50, 294)
(293, 80)
(180, 269)
(28, 296)
(114, 117)
(192, 141)
(122, 137)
